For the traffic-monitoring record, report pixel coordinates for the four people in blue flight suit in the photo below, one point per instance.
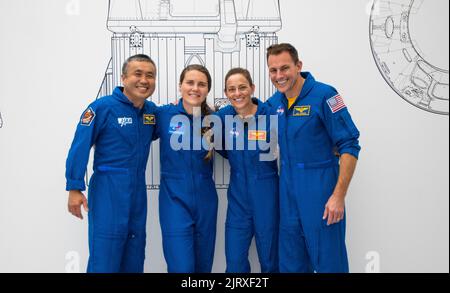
(298, 221)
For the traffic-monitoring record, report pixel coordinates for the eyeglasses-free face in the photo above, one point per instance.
(239, 92)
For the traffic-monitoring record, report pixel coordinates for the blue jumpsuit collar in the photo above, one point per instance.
(307, 87)
(180, 108)
(257, 102)
(259, 110)
(119, 95)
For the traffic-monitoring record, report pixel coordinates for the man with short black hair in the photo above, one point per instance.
(121, 128)
(314, 123)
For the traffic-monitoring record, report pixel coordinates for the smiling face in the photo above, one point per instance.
(239, 92)
(285, 74)
(194, 88)
(139, 81)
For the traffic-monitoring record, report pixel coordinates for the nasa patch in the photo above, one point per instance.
(234, 132)
(177, 128)
(280, 111)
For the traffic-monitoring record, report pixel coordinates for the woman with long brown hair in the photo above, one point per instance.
(188, 197)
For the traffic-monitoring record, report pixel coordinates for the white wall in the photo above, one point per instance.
(52, 64)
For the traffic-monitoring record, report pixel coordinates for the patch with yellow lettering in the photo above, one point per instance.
(149, 119)
(256, 135)
(300, 111)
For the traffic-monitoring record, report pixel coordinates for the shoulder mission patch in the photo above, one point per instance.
(87, 117)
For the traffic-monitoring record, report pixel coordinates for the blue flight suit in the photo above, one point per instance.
(122, 135)
(253, 203)
(310, 132)
(187, 198)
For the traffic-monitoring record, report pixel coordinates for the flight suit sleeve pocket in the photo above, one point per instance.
(348, 139)
(347, 123)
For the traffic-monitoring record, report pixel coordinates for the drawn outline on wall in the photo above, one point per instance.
(219, 34)
(400, 60)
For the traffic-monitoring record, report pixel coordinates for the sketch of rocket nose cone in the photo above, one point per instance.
(190, 16)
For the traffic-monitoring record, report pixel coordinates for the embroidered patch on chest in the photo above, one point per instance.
(125, 121)
(234, 132)
(256, 135)
(149, 119)
(176, 128)
(280, 111)
(300, 111)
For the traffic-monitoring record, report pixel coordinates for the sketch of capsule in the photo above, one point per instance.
(415, 76)
(219, 34)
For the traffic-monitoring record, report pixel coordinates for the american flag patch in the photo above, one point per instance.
(336, 103)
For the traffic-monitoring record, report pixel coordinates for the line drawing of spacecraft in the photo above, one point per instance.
(219, 34)
(400, 60)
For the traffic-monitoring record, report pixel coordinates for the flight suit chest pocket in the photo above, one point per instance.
(300, 124)
(126, 127)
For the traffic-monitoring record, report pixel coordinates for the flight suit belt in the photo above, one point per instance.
(108, 169)
(314, 165)
(174, 175)
(263, 175)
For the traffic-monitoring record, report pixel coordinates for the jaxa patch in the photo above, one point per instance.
(87, 117)
(124, 121)
(300, 111)
(149, 119)
(256, 135)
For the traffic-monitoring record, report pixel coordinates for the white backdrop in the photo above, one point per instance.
(53, 55)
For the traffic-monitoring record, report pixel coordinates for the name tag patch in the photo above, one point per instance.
(149, 119)
(255, 135)
(300, 111)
